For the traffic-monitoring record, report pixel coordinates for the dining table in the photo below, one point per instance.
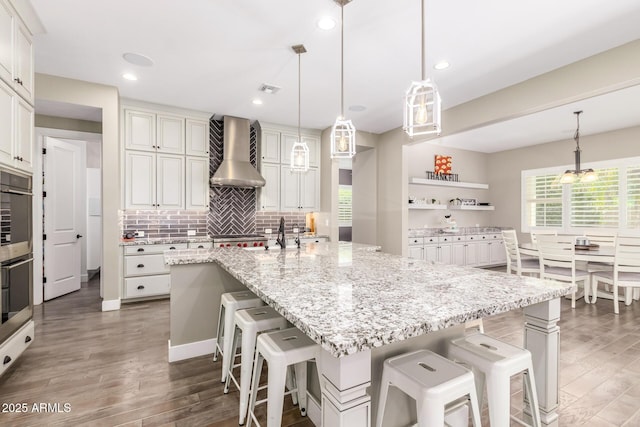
(592, 253)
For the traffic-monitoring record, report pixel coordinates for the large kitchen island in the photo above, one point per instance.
(362, 306)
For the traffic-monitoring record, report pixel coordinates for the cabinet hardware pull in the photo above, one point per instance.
(172, 247)
(27, 339)
(140, 287)
(140, 249)
(7, 359)
(200, 247)
(78, 236)
(140, 265)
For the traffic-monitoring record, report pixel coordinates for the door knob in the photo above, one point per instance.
(78, 236)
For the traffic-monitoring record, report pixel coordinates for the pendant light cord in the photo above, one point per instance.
(424, 57)
(342, 61)
(576, 137)
(299, 86)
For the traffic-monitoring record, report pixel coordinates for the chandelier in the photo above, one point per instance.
(577, 174)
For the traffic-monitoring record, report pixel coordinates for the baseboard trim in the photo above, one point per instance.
(314, 411)
(191, 350)
(110, 304)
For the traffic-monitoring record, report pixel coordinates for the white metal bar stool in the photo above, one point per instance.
(249, 324)
(432, 381)
(230, 302)
(495, 362)
(280, 350)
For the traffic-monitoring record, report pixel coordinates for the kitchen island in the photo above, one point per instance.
(363, 306)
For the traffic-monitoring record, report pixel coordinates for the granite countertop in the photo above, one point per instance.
(462, 231)
(165, 240)
(350, 297)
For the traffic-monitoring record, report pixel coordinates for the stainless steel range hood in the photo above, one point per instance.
(236, 170)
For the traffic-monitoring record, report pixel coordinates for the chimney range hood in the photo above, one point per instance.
(236, 170)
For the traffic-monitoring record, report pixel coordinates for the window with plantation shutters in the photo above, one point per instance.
(612, 202)
(344, 206)
(596, 204)
(543, 201)
(633, 197)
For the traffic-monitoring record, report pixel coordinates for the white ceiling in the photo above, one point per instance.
(212, 56)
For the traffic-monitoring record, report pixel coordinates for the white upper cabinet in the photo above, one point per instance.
(140, 130)
(170, 134)
(310, 190)
(270, 193)
(313, 143)
(16, 52)
(16, 130)
(197, 188)
(7, 124)
(24, 136)
(140, 182)
(170, 181)
(270, 146)
(197, 138)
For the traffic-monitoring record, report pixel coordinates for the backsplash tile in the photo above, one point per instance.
(272, 220)
(167, 223)
(231, 210)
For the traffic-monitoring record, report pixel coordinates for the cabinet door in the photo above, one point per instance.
(197, 138)
(140, 130)
(170, 181)
(431, 253)
(310, 190)
(270, 146)
(197, 188)
(24, 135)
(270, 193)
(483, 253)
(7, 122)
(289, 189)
(313, 143)
(140, 180)
(458, 253)
(497, 254)
(445, 253)
(416, 252)
(286, 144)
(471, 254)
(6, 43)
(170, 134)
(23, 76)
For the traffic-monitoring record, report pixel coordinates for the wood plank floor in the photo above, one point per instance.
(112, 369)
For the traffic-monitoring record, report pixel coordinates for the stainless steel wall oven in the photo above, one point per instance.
(16, 258)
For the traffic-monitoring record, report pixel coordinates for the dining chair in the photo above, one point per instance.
(626, 271)
(536, 233)
(558, 262)
(515, 263)
(602, 239)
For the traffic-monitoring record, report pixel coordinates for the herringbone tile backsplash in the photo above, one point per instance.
(231, 210)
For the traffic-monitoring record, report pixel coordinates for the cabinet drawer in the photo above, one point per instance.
(135, 287)
(432, 239)
(12, 348)
(415, 241)
(152, 249)
(144, 265)
(200, 245)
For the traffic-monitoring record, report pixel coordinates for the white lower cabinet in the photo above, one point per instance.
(15, 345)
(144, 271)
(464, 250)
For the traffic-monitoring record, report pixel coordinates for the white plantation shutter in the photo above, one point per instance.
(633, 197)
(344, 206)
(543, 201)
(596, 204)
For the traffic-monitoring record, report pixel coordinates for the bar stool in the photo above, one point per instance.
(432, 381)
(495, 362)
(280, 350)
(249, 324)
(230, 302)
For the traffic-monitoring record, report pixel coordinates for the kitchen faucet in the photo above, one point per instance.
(280, 240)
(298, 237)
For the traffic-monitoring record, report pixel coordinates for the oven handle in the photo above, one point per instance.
(18, 192)
(17, 264)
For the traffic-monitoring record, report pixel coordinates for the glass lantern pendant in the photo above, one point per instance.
(343, 139)
(422, 106)
(299, 157)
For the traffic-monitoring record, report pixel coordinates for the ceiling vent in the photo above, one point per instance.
(270, 89)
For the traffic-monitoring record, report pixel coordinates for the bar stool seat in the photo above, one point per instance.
(249, 323)
(432, 381)
(230, 302)
(495, 362)
(280, 350)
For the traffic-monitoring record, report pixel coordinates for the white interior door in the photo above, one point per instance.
(62, 248)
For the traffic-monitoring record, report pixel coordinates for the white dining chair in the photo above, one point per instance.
(515, 263)
(601, 239)
(536, 233)
(557, 262)
(626, 271)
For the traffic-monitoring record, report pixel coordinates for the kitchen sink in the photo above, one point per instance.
(272, 248)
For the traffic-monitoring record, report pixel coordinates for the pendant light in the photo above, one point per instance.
(343, 133)
(577, 174)
(422, 103)
(299, 151)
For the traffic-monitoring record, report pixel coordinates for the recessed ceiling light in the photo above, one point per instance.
(442, 65)
(357, 108)
(137, 59)
(270, 89)
(257, 101)
(326, 23)
(130, 76)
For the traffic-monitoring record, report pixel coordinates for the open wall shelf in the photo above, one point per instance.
(435, 182)
(424, 206)
(471, 208)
